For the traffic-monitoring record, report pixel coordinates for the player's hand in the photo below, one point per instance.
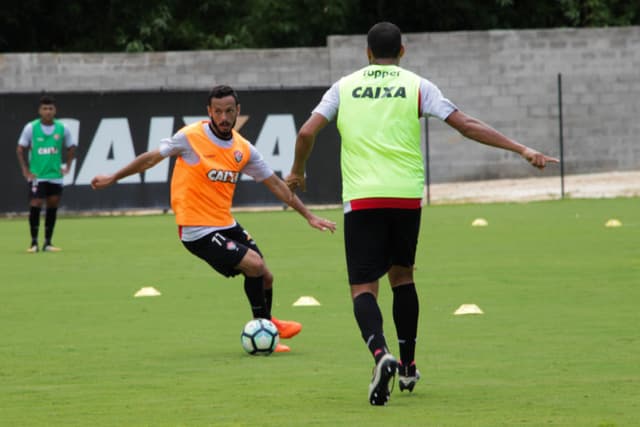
(29, 176)
(322, 224)
(101, 181)
(537, 159)
(295, 180)
(65, 170)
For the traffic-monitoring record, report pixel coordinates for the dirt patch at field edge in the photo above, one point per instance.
(601, 185)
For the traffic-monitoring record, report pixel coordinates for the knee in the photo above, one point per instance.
(254, 265)
(400, 275)
(53, 202)
(364, 288)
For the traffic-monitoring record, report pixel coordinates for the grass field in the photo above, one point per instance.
(559, 343)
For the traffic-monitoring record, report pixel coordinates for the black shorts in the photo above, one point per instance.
(44, 189)
(223, 249)
(376, 239)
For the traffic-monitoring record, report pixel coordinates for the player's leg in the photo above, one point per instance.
(369, 317)
(53, 194)
(230, 258)
(405, 317)
(286, 328)
(252, 267)
(365, 235)
(406, 226)
(36, 200)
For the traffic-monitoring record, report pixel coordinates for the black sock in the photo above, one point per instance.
(268, 296)
(369, 318)
(405, 315)
(49, 224)
(253, 287)
(34, 223)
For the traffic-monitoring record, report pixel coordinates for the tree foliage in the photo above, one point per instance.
(158, 25)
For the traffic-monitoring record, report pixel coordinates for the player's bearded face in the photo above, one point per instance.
(223, 113)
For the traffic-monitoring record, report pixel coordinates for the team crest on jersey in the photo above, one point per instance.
(231, 246)
(238, 155)
(56, 137)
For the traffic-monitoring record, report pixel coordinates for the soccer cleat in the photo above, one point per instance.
(33, 249)
(383, 374)
(287, 328)
(50, 248)
(281, 348)
(408, 376)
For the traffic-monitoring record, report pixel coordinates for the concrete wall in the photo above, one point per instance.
(506, 78)
(249, 68)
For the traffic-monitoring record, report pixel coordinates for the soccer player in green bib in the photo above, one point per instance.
(377, 109)
(50, 148)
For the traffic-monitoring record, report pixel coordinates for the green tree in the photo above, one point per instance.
(280, 23)
(145, 25)
(601, 13)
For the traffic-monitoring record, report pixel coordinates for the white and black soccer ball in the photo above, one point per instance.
(259, 337)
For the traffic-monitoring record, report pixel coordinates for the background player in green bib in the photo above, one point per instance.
(50, 148)
(378, 109)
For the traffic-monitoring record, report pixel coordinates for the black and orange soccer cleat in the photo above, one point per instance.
(281, 348)
(287, 328)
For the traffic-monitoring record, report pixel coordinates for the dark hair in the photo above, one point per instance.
(47, 100)
(222, 91)
(385, 40)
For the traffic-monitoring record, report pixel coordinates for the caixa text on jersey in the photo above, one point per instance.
(379, 92)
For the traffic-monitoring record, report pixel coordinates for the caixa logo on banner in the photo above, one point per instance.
(112, 147)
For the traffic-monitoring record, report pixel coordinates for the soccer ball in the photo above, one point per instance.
(259, 337)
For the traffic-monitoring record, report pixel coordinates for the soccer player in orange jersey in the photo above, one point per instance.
(210, 156)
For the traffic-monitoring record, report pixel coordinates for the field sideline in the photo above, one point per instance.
(558, 343)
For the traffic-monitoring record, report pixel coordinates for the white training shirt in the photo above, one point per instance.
(433, 103)
(26, 138)
(178, 145)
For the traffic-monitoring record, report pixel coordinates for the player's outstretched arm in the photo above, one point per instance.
(140, 164)
(280, 189)
(476, 130)
(304, 145)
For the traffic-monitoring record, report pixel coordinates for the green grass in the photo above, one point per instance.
(558, 344)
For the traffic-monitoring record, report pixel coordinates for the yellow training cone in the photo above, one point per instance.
(613, 223)
(306, 301)
(468, 309)
(148, 291)
(479, 222)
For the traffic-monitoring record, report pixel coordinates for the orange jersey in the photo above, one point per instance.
(201, 194)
